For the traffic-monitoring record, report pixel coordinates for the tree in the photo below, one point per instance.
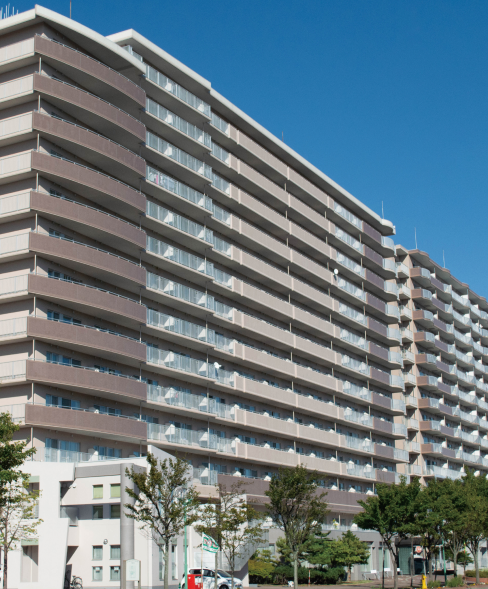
(262, 566)
(12, 456)
(349, 550)
(296, 507)
(391, 512)
(476, 514)
(453, 507)
(232, 523)
(162, 506)
(18, 518)
(463, 558)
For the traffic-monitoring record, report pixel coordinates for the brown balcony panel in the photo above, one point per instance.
(87, 341)
(447, 431)
(258, 390)
(423, 381)
(378, 351)
(94, 75)
(438, 304)
(382, 426)
(381, 400)
(85, 422)
(449, 453)
(428, 449)
(385, 476)
(91, 147)
(90, 261)
(384, 451)
(377, 327)
(95, 186)
(371, 232)
(375, 302)
(441, 346)
(95, 112)
(89, 300)
(440, 325)
(375, 279)
(92, 223)
(437, 283)
(87, 381)
(373, 256)
(442, 366)
(443, 387)
(265, 455)
(266, 424)
(380, 376)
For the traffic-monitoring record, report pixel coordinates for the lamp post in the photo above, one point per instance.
(444, 557)
(182, 494)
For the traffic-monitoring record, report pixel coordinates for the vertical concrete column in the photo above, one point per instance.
(126, 524)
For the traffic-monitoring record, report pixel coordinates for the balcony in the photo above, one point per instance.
(88, 260)
(94, 185)
(407, 335)
(420, 275)
(85, 423)
(91, 109)
(88, 340)
(186, 333)
(199, 441)
(88, 299)
(96, 149)
(92, 74)
(193, 369)
(79, 217)
(81, 379)
(442, 472)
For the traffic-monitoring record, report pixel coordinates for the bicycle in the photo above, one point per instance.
(76, 583)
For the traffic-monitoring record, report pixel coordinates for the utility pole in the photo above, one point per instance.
(70, 8)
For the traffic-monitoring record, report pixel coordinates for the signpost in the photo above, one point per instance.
(131, 571)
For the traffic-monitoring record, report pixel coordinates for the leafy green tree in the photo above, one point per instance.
(391, 512)
(476, 514)
(455, 530)
(463, 558)
(296, 507)
(13, 455)
(349, 550)
(262, 566)
(18, 517)
(164, 500)
(232, 522)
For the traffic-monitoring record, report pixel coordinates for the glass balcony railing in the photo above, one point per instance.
(181, 362)
(351, 264)
(182, 223)
(180, 326)
(354, 339)
(220, 124)
(177, 122)
(352, 313)
(178, 188)
(223, 278)
(12, 204)
(177, 90)
(220, 183)
(356, 390)
(220, 153)
(365, 444)
(14, 243)
(222, 246)
(357, 417)
(179, 291)
(387, 242)
(354, 364)
(183, 398)
(177, 154)
(179, 256)
(221, 215)
(389, 265)
(349, 239)
(351, 288)
(13, 327)
(173, 434)
(345, 214)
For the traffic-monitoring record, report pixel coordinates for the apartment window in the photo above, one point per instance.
(97, 491)
(98, 512)
(53, 401)
(115, 573)
(115, 511)
(110, 452)
(97, 553)
(107, 370)
(115, 552)
(97, 573)
(115, 490)
(107, 410)
(59, 359)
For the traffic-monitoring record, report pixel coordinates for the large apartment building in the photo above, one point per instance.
(174, 276)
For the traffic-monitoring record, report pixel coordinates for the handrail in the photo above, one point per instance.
(60, 157)
(89, 130)
(90, 327)
(89, 411)
(90, 246)
(86, 207)
(83, 368)
(88, 286)
(86, 92)
(89, 57)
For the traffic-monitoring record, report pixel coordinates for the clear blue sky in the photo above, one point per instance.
(387, 97)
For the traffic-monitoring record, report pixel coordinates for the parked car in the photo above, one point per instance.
(224, 579)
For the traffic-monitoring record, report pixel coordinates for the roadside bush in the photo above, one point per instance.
(455, 582)
(322, 576)
(472, 573)
(434, 584)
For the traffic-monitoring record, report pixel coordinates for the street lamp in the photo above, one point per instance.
(444, 556)
(182, 494)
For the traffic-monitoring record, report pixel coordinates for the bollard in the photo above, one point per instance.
(424, 582)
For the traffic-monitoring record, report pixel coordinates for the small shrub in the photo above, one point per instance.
(472, 573)
(455, 582)
(435, 584)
